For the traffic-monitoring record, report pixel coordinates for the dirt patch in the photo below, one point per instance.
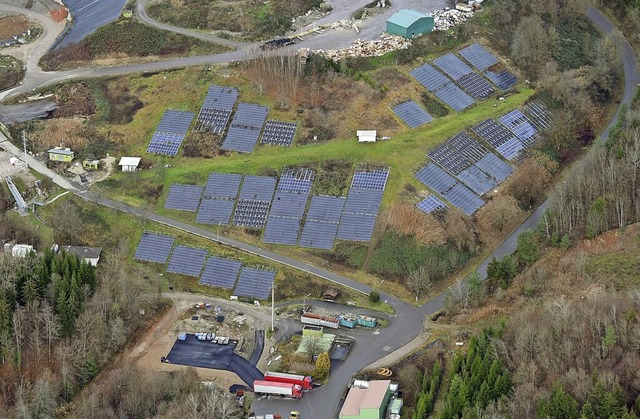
(13, 25)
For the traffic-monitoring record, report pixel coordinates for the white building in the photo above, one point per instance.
(21, 250)
(86, 254)
(129, 164)
(367, 136)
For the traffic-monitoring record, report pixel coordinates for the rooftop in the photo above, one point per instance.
(65, 151)
(84, 252)
(129, 161)
(365, 398)
(406, 17)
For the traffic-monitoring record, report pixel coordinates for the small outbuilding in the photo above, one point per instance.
(129, 164)
(367, 403)
(367, 136)
(85, 253)
(61, 154)
(409, 23)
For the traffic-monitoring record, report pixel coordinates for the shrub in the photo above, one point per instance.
(374, 296)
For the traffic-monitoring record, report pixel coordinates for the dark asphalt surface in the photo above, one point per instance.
(89, 15)
(26, 111)
(204, 354)
(258, 347)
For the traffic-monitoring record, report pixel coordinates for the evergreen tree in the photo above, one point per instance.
(527, 247)
(587, 411)
(559, 404)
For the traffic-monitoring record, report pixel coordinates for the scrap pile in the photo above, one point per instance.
(386, 43)
(447, 18)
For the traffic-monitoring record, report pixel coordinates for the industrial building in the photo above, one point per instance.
(369, 402)
(409, 23)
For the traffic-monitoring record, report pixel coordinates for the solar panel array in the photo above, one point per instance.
(538, 114)
(453, 96)
(476, 86)
(477, 180)
(216, 109)
(429, 77)
(520, 125)
(430, 204)
(296, 180)
(187, 261)
(253, 203)
(478, 56)
(359, 214)
(463, 198)
(255, 283)
(452, 66)
(285, 218)
(375, 180)
(492, 132)
(494, 167)
(184, 197)
(279, 133)
(220, 272)
(321, 225)
(458, 153)
(170, 133)
(504, 79)
(435, 178)
(511, 150)
(412, 114)
(245, 128)
(154, 247)
(222, 185)
(218, 198)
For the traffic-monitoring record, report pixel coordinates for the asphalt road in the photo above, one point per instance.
(90, 15)
(406, 324)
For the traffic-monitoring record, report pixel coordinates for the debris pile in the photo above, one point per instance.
(386, 43)
(447, 18)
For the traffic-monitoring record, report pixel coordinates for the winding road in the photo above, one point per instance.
(407, 323)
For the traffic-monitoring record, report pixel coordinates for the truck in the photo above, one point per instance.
(275, 388)
(305, 382)
(317, 320)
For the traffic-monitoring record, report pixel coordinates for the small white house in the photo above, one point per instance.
(129, 164)
(85, 253)
(367, 136)
(21, 250)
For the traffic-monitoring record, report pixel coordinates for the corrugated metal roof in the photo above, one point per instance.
(61, 151)
(365, 398)
(406, 17)
(129, 161)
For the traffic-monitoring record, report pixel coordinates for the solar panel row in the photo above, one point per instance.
(220, 272)
(321, 225)
(184, 197)
(359, 214)
(412, 114)
(297, 180)
(245, 128)
(453, 96)
(165, 143)
(279, 133)
(463, 198)
(520, 125)
(503, 79)
(187, 261)
(452, 66)
(375, 180)
(177, 122)
(429, 77)
(538, 114)
(215, 211)
(430, 204)
(255, 283)
(476, 86)
(478, 56)
(154, 247)
(222, 185)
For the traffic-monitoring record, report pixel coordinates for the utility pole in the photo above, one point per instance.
(24, 144)
(273, 307)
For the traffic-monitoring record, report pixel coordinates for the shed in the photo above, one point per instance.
(61, 154)
(367, 136)
(91, 164)
(129, 164)
(85, 253)
(409, 23)
(21, 250)
(367, 403)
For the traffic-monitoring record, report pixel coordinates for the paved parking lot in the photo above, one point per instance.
(90, 15)
(205, 354)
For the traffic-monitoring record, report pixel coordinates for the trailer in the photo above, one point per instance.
(348, 320)
(366, 321)
(305, 382)
(316, 320)
(279, 389)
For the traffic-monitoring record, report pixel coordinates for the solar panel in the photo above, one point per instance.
(220, 97)
(478, 56)
(282, 230)
(154, 247)
(222, 185)
(288, 204)
(494, 167)
(511, 149)
(356, 227)
(476, 86)
(279, 133)
(503, 79)
(374, 180)
(518, 122)
(477, 180)
(362, 201)
(251, 213)
(297, 180)
(538, 114)
(462, 197)
(259, 188)
(177, 122)
(255, 283)
(184, 197)
(213, 120)
(325, 208)
(318, 235)
(429, 77)
(453, 96)
(187, 261)
(471, 149)
(220, 272)
(245, 128)
(452, 66)
(412, 114)
(165, 143)
(435, 178)
(449, 158)
(492, 132)
(430, 204)
(215, 211)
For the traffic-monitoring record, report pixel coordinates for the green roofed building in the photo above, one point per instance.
(367, 403)
(409, 23)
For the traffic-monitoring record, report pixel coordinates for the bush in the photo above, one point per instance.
(433, 106)
(374, 296)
